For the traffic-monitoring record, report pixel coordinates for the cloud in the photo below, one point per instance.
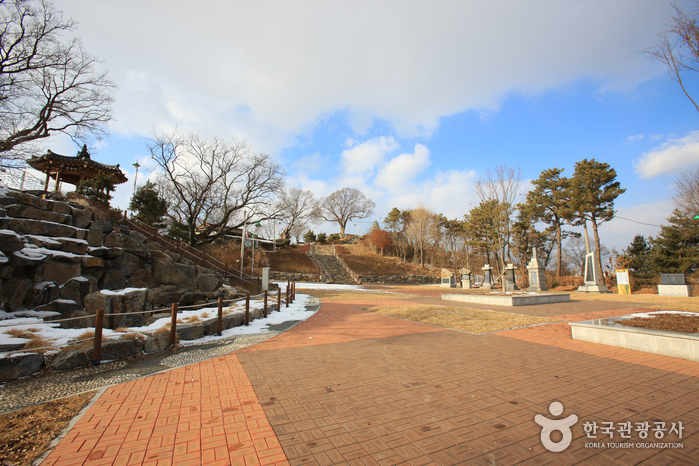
(365, 157)
(638, 137)
(398, 174)
(269, 72)
(671, 157)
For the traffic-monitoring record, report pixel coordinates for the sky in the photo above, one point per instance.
(409, 101)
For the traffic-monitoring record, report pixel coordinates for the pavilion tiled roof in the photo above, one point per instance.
(75, 169)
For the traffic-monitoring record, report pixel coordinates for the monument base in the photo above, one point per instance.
(674, 290)
(593, 289)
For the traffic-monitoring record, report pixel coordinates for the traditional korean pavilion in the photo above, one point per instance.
(73, 170)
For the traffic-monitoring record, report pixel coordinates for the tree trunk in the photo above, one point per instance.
(560, 250)
(598, 256)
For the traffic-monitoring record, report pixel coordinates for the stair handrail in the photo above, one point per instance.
(199, 257)
(354, 276)
(311, 254)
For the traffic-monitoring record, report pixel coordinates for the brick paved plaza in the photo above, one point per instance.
(352, 387)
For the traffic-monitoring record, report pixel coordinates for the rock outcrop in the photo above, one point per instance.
(65, 256)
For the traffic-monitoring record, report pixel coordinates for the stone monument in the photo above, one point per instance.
(674, 284)
(465, 278)
(487, 277)
(592, 277)
(265, 278)
(537, 274)
(510, 282)
(448, 279)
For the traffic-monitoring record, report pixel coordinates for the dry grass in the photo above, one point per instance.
(363, 261)
(36, 343)
(26, 434)
(339, 295)
(458, 318)
(191, 320)
(672, 322)
(291, 260)
(651, 301)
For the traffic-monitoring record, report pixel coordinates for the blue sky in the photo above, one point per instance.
(408, 101)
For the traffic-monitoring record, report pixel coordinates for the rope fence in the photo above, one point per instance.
(173, 311)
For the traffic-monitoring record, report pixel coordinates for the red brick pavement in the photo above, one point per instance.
(351, 387)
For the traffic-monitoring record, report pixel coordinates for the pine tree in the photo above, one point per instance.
(638, 255)
(309, 237)
(547, 203)
(591, 197)
(149, 206)
(676, 248)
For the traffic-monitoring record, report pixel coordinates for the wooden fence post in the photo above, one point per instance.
(247, 308)
(264, 309)
(97, 347)
(173, 325)
(220, 316)
(288, 293)
(279, 298)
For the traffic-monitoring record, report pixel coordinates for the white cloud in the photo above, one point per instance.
(671, 157)
(638, 137)
(398, 174)
(270, 69)
(365, 157)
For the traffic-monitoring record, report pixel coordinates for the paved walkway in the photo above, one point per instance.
(351, 387)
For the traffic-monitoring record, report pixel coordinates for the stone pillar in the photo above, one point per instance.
(466, 281)
(265, 278)
(510, 282)
(537, 274)
(487, 277)
(592, 273)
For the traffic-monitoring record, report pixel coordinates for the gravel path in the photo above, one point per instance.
(52, 385)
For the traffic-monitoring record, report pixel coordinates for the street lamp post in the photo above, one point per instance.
(135, 178)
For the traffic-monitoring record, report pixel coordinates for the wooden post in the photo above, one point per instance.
(173, 325)
(247, 308)
(293, 291)
(264, 309)
(288, 293)
(279, 298)
(97, 347)
(220, 316)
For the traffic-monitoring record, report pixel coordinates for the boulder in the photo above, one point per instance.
(41, 293)
(10, 241)
(157, 342)
(29, 257)
(164, 296)
(14, 291)
(114, 240)
(116, 349)
(141, 279)
(56, 271)
(128, 263)
(25, 226)
(102, 226)
(23, 365)
(75, 289)
(94, 238)
(138, 237)
(29, 199)
(209, 281)
(190, 331)
(180, 275)
(68, 359)
(24, 211)
(76, 246)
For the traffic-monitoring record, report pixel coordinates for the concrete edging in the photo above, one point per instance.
(606, 332)
(496, 300)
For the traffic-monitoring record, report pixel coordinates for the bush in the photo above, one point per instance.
(309, 237)
(333, 238)
(321, 237)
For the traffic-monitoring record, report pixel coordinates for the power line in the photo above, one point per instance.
(634, 221)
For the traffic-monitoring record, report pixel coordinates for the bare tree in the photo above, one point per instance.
(678, 46)
(47, 85)
(687, 197)
(422, 230)
(344, 205)
(213, 185)
(502, 185)
(295, 205)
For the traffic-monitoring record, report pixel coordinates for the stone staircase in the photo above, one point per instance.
(325, 256)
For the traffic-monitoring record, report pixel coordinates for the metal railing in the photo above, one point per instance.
(311, 254)
(354, 276)
(199, 257)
